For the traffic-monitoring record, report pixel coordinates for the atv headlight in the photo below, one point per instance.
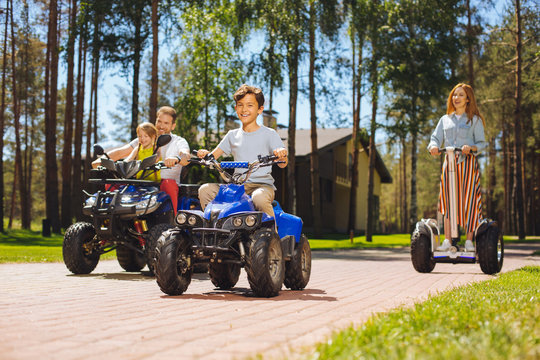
(140, 203)
(147, 203)
(181, 218)
(192, 220)
(251, 220)
(237, 221)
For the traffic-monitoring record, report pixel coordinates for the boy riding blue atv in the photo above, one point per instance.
(236, 230)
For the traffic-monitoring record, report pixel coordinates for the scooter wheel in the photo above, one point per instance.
(490, 248)
(421, 255)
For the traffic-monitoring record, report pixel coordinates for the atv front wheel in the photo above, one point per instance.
(151, 243)
(421, 256)
(265, 266)
(173, 262)
(298, 269)
(130, 259)
(490, 249)
(77, 251)
(224, 276)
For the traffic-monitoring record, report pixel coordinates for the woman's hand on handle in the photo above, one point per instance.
(434, 151)
(466, 149)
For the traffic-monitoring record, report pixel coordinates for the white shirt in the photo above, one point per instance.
(246, 146)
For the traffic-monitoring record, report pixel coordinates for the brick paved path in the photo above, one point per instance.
(48, 313)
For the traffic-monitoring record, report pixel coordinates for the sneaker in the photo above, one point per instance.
(469, 246)
(445, 245)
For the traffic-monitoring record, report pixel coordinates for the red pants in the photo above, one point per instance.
(171, 188)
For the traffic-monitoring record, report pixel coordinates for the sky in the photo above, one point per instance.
(109, 96)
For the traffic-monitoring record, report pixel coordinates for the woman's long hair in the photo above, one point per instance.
(472, 107)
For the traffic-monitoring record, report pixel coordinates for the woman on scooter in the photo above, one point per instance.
(462, 126)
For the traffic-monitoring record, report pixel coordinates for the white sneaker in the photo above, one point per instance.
(469, 246)
(445, 245)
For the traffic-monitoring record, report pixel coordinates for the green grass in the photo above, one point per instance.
(21, 246)
(340, 241)
(495, 319)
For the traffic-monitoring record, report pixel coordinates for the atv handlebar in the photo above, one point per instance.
(237, 178)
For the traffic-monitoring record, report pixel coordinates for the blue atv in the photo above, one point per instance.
(128, 215)
(231, 234)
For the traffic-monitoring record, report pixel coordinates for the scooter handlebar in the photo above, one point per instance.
(450, 147)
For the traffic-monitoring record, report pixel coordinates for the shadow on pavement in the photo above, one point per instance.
(245, 294)
(125, 276)
(135, 276)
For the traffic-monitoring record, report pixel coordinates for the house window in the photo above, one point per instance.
(342, 172)
(327, 190)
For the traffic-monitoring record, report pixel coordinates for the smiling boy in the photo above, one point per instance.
(245, 144)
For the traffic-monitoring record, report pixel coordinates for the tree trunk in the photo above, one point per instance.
(155, 52)
(315, 188)
(414, 156)
(357, 98)
(51, 91)
(206, 100)
(492, 180)
(518, 179)
(506, 175)
(372, 152)
(2, 121)
(292, 59)
(470, 54)
(25, 221)
(137, 53)
(90, 123)
(78, 136)
(28, 152)
(68, 121)
(404, 202)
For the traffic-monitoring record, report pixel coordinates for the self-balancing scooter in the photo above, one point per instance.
(425, 239)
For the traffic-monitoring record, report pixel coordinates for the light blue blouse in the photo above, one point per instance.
(453, 130)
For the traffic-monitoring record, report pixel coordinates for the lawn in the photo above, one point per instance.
(340, 241)
(495, 319)
(29, 246)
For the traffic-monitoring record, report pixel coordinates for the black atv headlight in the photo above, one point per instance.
(186, 218)
(245, 221)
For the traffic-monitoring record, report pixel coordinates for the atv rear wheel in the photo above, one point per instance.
(76, 250)
(151, 243)
(298, 269)
(173, 262)
(421, 255)
(130, 259)
(224, 276)
(265, 266)
(490, 249)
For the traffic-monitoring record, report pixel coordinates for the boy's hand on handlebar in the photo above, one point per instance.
(434, 151)
(281, 154)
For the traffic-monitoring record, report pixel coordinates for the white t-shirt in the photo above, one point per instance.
(247, 146)
(171, 150)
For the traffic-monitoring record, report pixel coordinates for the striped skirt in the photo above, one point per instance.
(469, 198)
